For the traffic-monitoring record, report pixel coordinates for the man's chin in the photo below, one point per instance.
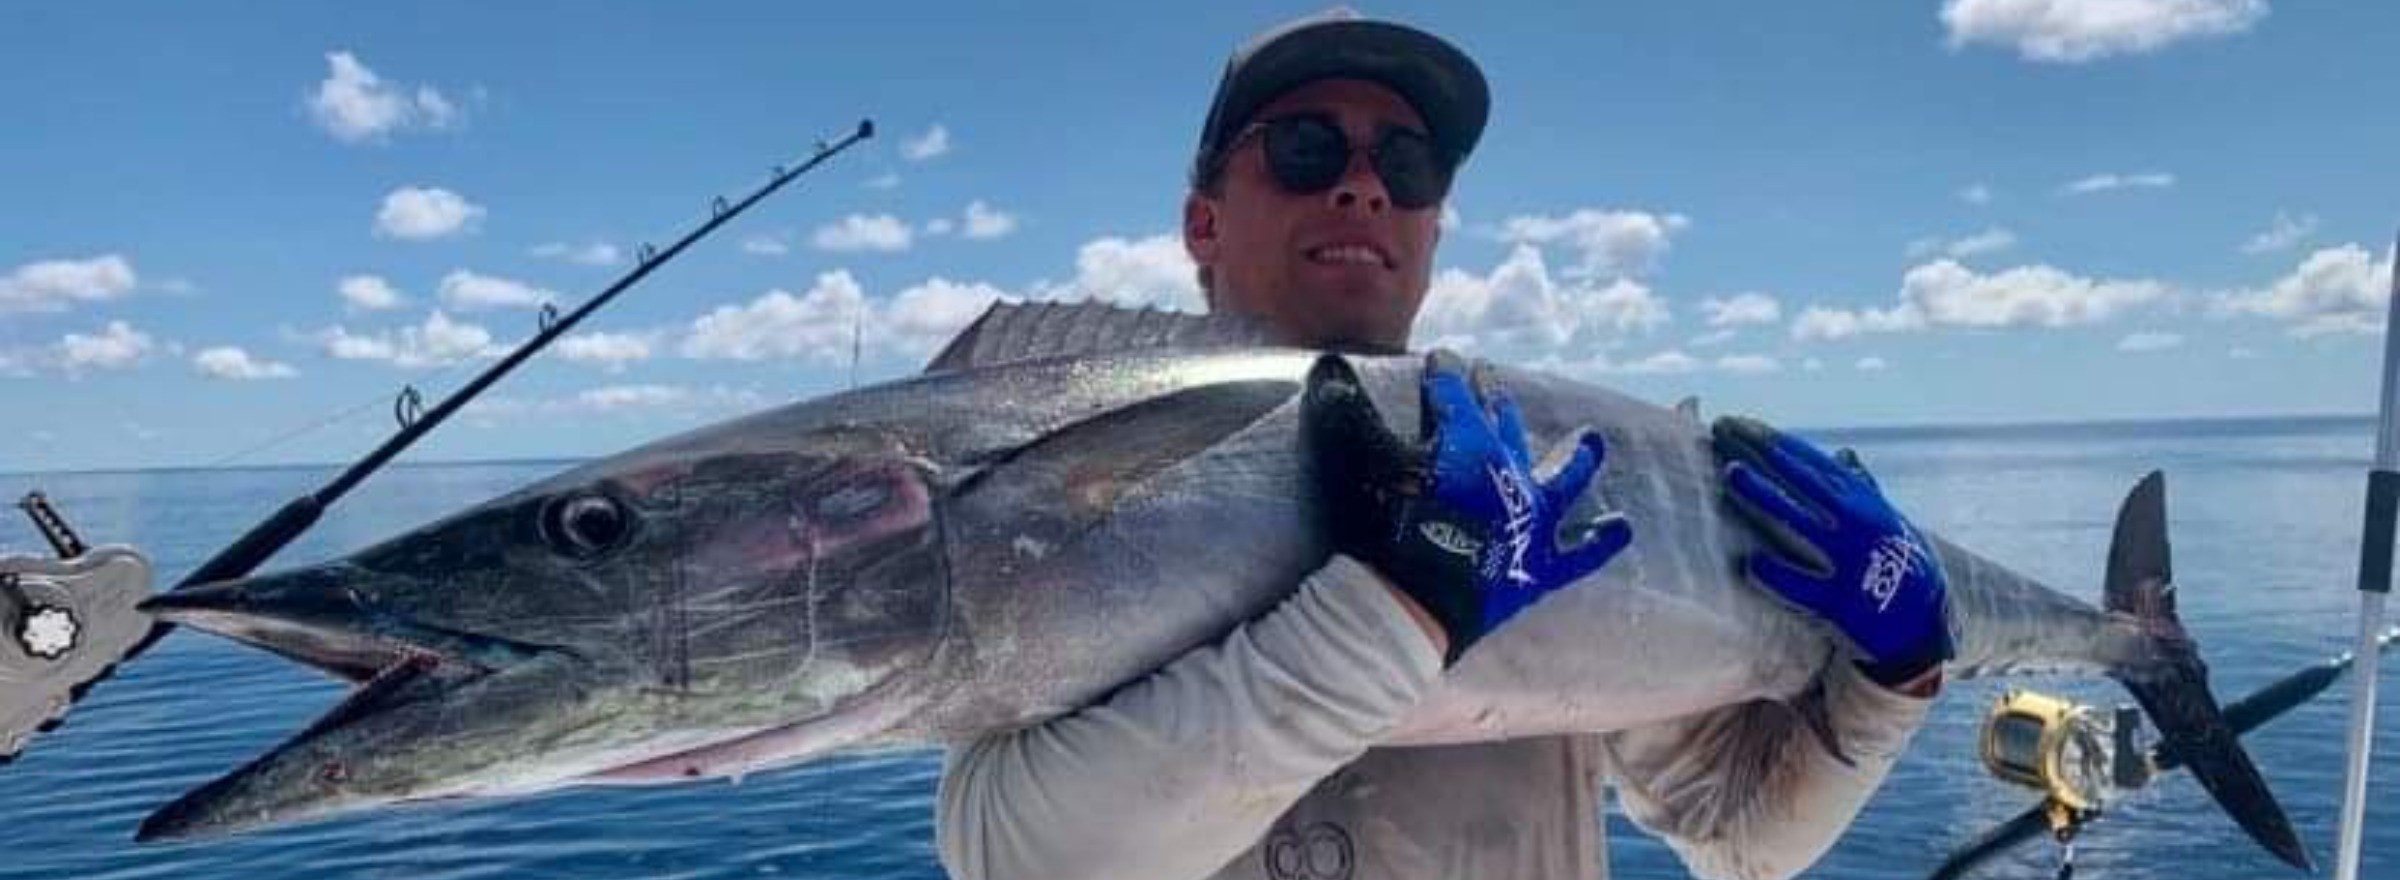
(1354, 321)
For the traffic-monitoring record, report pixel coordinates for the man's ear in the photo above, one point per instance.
(1200, 228)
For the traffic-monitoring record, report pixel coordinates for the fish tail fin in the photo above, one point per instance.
(2172, 684)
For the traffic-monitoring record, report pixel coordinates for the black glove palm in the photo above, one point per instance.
(1456, 520)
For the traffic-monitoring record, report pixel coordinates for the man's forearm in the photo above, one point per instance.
(1176, 774)
(1748, 792)
(1424, 619)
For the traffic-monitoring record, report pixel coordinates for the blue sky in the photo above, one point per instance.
(237, 231)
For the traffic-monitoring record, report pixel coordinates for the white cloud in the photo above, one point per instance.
(1823, 322)
(1749, 364)
(355, 105)
(426, 213)
(56, 285)
(369, 293)
(765, 245)
(1519, 308)
(934, 142)
(610, 351)
(2073, 31)
(1718, 336)
(861, 232)
(1151, 271)
(469, 291)
(1975, 194)
(1945, 294)
(1991, 240)
(2334, 290)
(984, 222)
(1870, 364)
(616, 397)
(1665, 362)
(2148, 341)
(115, 347)
(1812, 364)
(816, 325)
(2099, 183)
(1742, 308)
(598, 253)
(939, 226)
(623, 400)
(232, 363)
(1611, 243)
(920, 319)
(436, 342)
(2281, 234)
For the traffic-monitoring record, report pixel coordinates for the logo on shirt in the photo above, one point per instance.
(1320, 851)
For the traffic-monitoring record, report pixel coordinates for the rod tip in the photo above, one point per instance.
(866, 128)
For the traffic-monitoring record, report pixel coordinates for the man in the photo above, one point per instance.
(1314, 209)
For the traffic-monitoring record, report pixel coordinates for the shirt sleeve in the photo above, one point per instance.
(1180, 772)
(1751, 792)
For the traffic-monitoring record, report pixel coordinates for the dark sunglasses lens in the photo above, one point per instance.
(1411, 171)
(1306, 154)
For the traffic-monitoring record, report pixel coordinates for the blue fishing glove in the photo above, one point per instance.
(1456, 520)
(1837, 549)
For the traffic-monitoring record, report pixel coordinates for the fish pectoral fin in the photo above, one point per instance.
(1079, 472)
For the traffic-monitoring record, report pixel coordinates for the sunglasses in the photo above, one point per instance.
(1308, 154)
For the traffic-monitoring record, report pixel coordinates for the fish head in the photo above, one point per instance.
(612, 617)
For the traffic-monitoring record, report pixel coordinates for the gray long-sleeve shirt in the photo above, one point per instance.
(1251, 759)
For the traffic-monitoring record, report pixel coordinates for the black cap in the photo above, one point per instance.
(1441, 82)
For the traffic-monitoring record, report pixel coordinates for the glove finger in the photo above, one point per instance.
(1445, 398)
(1602, 539)
(1849, 459)
(1782, 522)
(1347, 438)
(1788, 582)
(1800, 467)
(1511, 424)
(1575, 474)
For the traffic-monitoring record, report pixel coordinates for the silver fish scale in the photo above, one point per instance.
(1669, 628)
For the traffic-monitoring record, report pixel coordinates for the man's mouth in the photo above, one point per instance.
(1349, 255)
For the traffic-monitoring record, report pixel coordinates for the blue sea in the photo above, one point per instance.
(2266, 519)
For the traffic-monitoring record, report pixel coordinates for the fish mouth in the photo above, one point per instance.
(417, 682)
(239, 800)
(322, 617)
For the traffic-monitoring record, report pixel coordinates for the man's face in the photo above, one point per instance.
(1339, 267)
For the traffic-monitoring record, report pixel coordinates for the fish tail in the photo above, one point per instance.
(2171, 681)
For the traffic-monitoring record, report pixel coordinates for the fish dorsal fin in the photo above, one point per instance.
(1012, 332)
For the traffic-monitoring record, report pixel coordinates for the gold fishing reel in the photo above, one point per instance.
(2076, 756)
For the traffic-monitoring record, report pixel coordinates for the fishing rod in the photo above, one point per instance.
(253, 548)
(2374, 581)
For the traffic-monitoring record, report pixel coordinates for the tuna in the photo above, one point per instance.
(1070, 497)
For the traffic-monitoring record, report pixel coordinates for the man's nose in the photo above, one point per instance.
(1360, 187)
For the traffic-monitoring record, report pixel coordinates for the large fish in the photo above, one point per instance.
(1067, 499)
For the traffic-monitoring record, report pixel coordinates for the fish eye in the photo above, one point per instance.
(585, 525)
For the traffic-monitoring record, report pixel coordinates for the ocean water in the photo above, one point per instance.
(2266, 520)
